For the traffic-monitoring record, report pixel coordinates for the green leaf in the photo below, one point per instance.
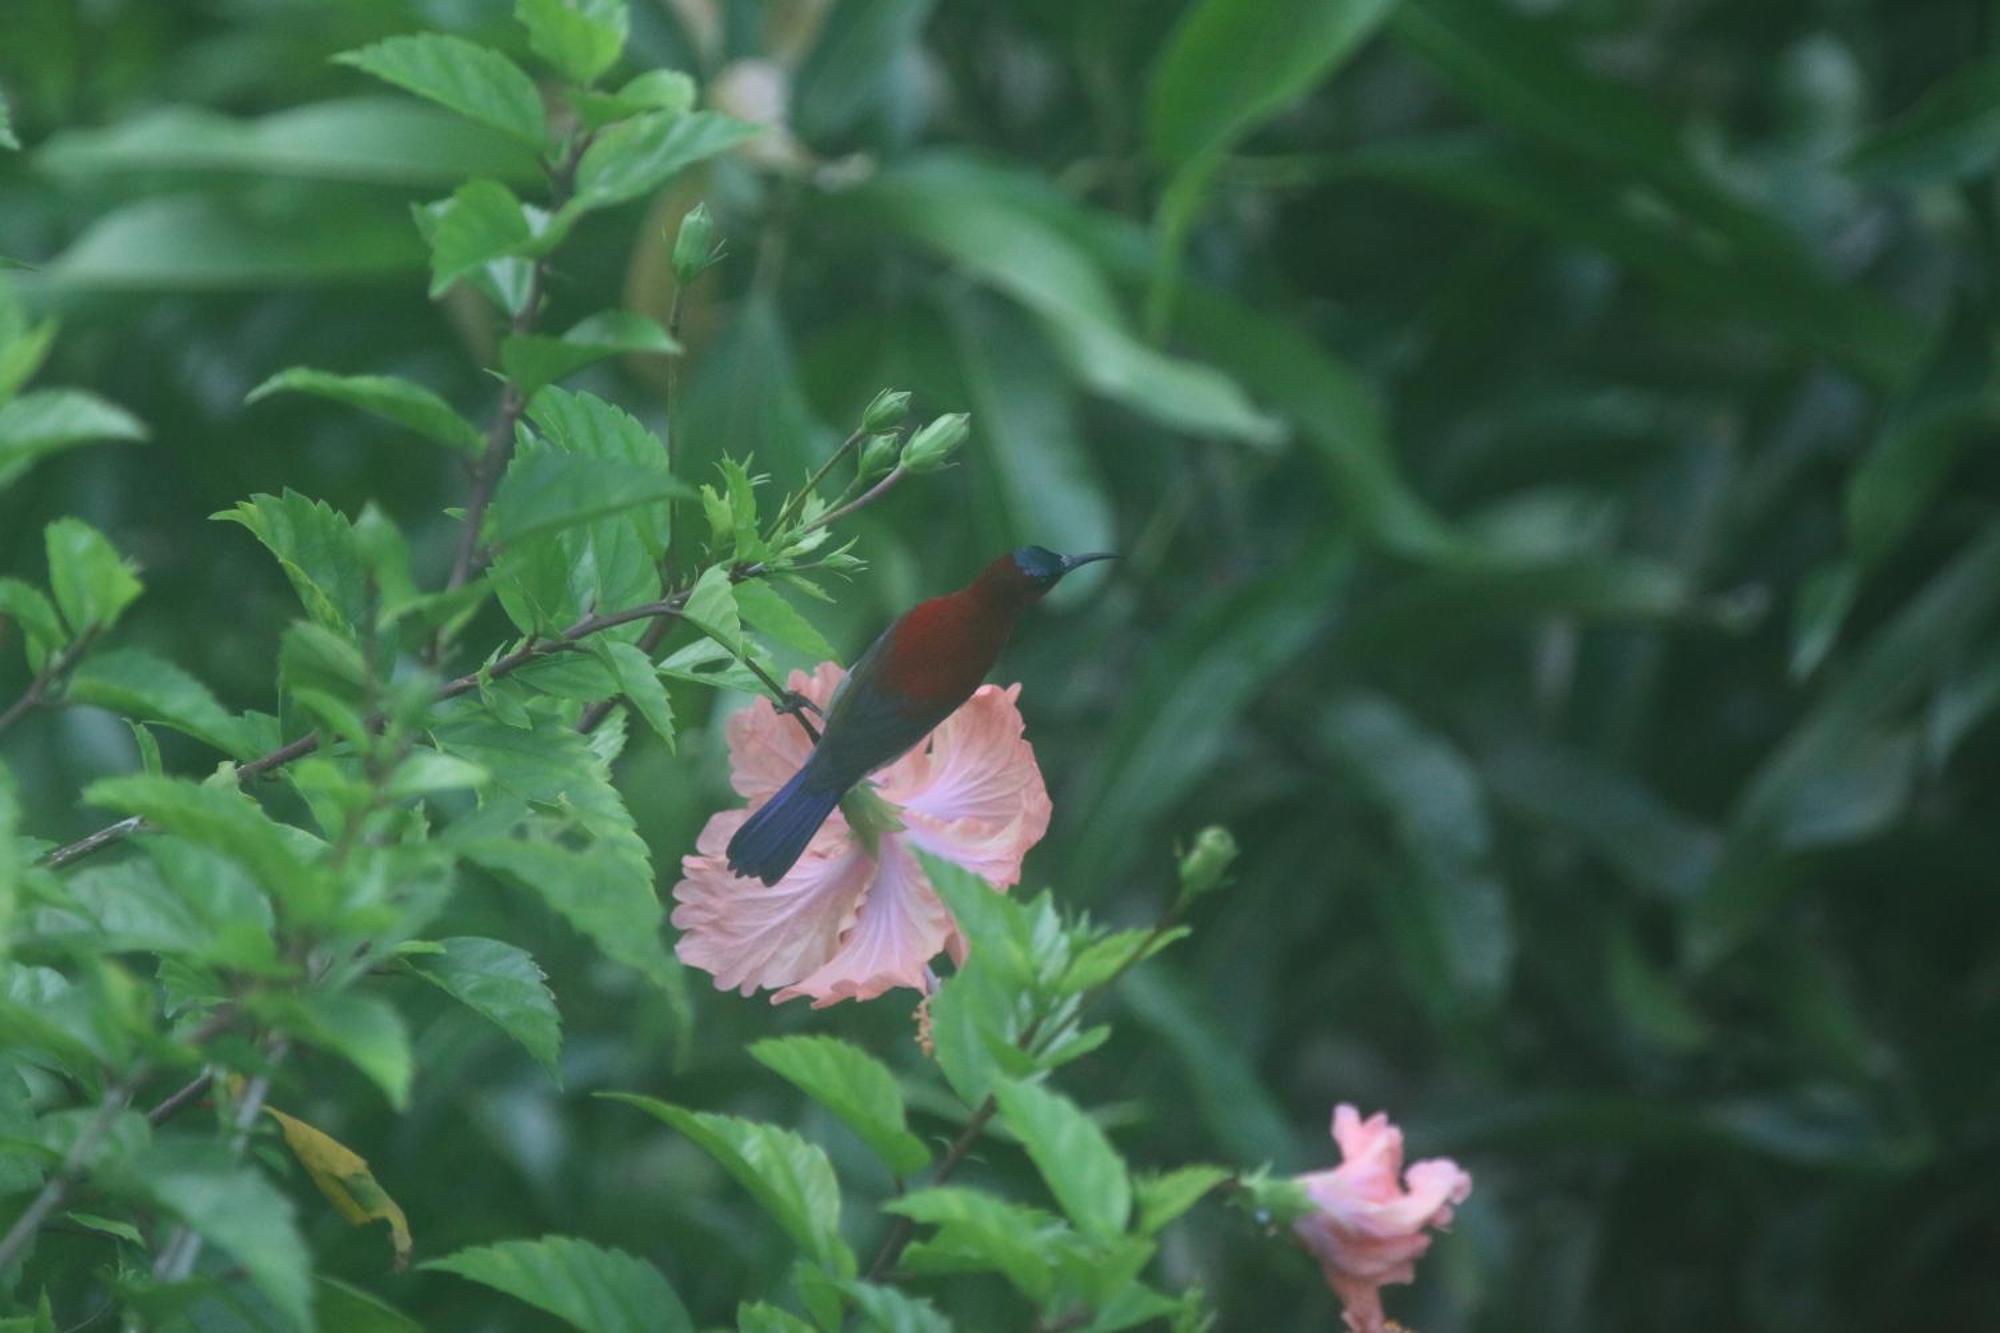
(316, 547)
(408, 405)
(588, 1287)
(606, 896)
(502, 983)
(198, 243)
(1164, 1196)
(656, 90)
(136, 683)
(966, 217)
(855, 1086)
(639, 682)
(638, 156)
(179, 900)
(7, 137)
(1121, 950)
(1445, 901)
(33, 614)
(379, 140)
(790, 1178)
(711, 608)
(234, 1208)
(547, 489)
(480, 84)
(1075, 1159)
(337, 1305)
(50, 420)
(217, 817)
(481, 222)
(850, 70)
(92, 583)
(533, 360)
(581, 39)
(765, 1318)
(887, 1310)
(766, 610)
(978, 1232)
(1229, 65)
(364, 1030)
(1951, 134)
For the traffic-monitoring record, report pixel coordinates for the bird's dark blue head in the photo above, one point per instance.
(1042, 568)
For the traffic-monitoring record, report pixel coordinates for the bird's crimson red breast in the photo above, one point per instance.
(911, 678)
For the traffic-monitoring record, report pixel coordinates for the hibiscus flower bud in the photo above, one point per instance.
(878, 455)
(887, 411)
(1204, 864)
(932, 447)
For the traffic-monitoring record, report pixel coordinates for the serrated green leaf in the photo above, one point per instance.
(588, 1287)
(478, 83)
(142, 686)
(1076, 1160)
(34, 615)
(216, 817)
(92, 583)
(364, 1030)
(503, 984)
(535, 360)
(638, 156)
(482, 221)
(764, 1318)
(608, 898)
(977, 1232)
(408, 405)
(1164, 1196)
(761, 605)
(855, 1086)
(547, 489)
(47, 421)
(656, 90)
(639, 683)
(581, 39)
(315, 546)
(887, 1310)
(1105, 958)
(790, 1178)
(338, 1305)
(711, 608)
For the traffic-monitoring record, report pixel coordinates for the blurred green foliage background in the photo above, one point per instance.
(1552, 447)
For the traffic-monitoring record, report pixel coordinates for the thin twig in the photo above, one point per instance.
(847, 446)
(181, 1098)
(46, 679)
(500, 432)
(874, 493)
(177, 1260)
(57, 1187)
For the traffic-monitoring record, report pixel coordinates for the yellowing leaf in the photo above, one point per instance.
(344, 1178)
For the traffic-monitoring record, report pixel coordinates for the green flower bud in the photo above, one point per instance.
(878, 455)
(1275, 1201)
(887, 411)
(694, 247)
(932, 447)
(1204, 865)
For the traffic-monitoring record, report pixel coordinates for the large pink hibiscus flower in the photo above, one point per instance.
(847, 924)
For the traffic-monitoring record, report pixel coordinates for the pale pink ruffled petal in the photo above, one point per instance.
(1374, 1218)
(840, 926)
(974, 795)
(765, 746)
(753, 936)
(901, 927)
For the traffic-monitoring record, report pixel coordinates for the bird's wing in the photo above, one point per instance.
(866, 725)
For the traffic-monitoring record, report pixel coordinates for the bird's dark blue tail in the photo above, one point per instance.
(771, 840)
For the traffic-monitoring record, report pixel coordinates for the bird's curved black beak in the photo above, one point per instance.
(1070, 562)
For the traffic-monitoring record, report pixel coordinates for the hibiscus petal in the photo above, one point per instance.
(901, 926)
(750, 935)
(974, 795)
(765, 746)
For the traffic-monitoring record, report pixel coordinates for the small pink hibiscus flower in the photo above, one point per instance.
(845, 924)
(1369, 1229)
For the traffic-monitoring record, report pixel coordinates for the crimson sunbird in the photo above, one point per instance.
(911, 678)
